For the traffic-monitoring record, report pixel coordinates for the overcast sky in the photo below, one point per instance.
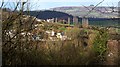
(46, 4)
(61, 0)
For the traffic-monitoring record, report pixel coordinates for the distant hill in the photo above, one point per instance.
(98, 12)
(47, 14)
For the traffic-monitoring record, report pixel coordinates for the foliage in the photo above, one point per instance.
(99, 45)
(19, 50)
(62, 28)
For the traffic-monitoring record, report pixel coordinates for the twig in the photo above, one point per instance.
(93, 8)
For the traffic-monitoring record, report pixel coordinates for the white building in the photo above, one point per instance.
(50, 20)
(52, 33)
(39, 20)
(59, 35)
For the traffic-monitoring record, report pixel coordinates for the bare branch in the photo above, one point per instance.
(10, 5)
(86, 7)
(93, 8)
(2, 4)
(6, 4)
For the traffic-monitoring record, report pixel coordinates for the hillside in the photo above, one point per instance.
(28, 41)
(98, 12)
(49, 14)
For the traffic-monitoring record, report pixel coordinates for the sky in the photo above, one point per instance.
(47, 4)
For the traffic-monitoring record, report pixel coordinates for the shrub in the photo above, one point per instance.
(100, 45)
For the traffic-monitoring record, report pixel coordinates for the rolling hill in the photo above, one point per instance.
(98, 12)
(47, 14)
